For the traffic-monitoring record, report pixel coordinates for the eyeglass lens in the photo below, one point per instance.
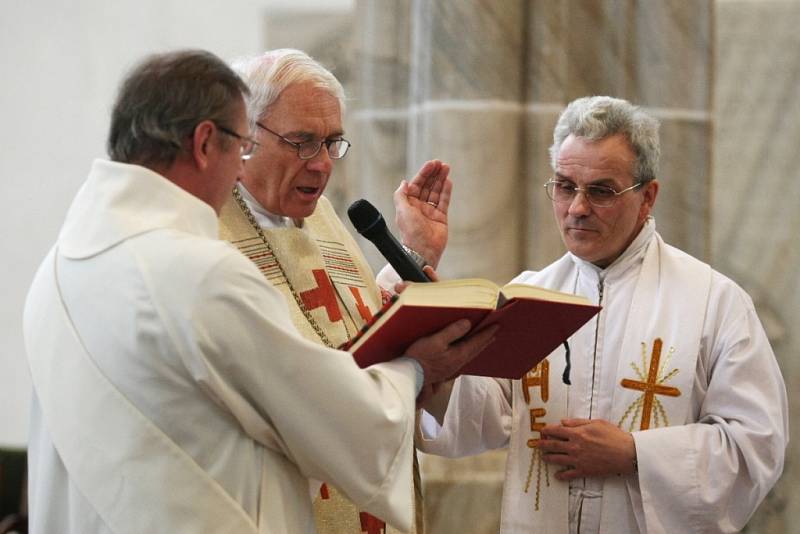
(337, 148)
(597, 195)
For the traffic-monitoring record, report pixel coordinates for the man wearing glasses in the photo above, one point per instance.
(676, 416)
(278, 217)
(172, 392)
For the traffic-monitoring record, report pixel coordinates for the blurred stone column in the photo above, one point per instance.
(379, 110)
(443, 80)
(654, 54)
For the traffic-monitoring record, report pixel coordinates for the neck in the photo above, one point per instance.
(263, 215)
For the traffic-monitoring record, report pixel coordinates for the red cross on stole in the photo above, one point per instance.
(322, 296)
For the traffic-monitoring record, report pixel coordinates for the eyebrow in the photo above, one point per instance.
(600, 181)
(309, 135)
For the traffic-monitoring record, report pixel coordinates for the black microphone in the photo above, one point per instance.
(369, 222)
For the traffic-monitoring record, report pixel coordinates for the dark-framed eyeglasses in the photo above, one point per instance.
(601, 196)
(337, 148)
(248, 144)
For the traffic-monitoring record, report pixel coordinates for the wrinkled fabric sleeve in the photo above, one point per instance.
(336, 422)
(477, 419)
(710, 476)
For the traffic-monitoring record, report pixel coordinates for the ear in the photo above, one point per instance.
(650, 192)
(201, 143)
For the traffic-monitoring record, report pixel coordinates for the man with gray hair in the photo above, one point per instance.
(278, 217)
(673, 417)
(172, 393)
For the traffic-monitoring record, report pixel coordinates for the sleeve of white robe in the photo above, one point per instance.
(710, 476)
(336, 422)
(478, 418)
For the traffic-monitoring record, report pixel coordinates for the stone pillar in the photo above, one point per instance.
(380, 107)
(654, 54)
(445, 78)
(755, 196)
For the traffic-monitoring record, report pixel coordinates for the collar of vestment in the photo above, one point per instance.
(264, 217)
(119, 201)
(629, 259)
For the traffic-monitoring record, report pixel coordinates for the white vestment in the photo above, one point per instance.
(198, 377)
(703, 466)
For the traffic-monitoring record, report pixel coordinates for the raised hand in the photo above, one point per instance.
(421, 207)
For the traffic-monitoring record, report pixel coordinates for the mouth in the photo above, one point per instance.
(580, 230)
(308, 192)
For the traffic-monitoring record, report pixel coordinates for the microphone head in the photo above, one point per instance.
(366, 219)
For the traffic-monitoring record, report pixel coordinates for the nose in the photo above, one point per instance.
(580, 205)
(322, 162)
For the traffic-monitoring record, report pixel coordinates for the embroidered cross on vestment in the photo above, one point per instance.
(654, 385)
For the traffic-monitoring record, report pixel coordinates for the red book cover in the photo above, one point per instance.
(533, 323)
(530, 329)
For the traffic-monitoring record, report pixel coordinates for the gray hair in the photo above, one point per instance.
(269, 74)
(162, 100)
(598, 117)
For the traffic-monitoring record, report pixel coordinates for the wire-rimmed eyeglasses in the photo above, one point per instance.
(248, 145)
(337, 148)
(601, 196)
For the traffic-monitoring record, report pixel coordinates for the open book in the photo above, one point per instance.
(533, 322)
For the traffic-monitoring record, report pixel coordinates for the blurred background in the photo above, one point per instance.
(477, 83)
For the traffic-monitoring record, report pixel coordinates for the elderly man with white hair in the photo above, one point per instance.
(278, 217)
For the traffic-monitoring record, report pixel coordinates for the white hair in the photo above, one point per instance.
(270, 73)
(598, 117)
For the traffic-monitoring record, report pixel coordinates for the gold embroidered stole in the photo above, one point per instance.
(655, 371)
(659, 352)
(331, 293)
(533, 500)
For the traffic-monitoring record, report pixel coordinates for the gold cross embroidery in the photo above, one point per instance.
(650, 388)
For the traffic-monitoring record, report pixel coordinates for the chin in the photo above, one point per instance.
(584, 253)
(302, 212)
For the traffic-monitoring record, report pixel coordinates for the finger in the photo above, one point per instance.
(464, 351)
(399, 287)
(436, 183)
(552, 445)
(454, 331)
(556, 431)
(558, 459)
(403, 192)
(431, 272)
(575, 422)
(438, 179)
(428, 185)
(422, 177)
(569, 473)
(443, 200)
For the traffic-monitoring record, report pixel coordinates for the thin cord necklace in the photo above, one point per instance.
(306, 313)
